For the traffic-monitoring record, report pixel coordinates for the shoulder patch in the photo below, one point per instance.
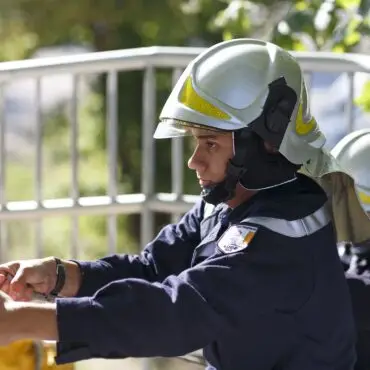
(236, 238)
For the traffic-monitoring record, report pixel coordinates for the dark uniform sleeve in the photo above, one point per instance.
(136, 318)
(169, 253)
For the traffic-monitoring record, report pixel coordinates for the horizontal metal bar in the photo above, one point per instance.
(126, 59)
(171, 203)
(102, 205)
(161, 56)
(332, 62)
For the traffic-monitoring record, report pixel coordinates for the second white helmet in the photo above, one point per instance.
(353, 155)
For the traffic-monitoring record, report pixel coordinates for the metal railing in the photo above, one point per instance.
(148, 59)
(148, 201)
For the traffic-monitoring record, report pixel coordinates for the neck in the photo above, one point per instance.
(241, 196)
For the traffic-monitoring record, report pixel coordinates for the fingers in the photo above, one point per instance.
(5, 297)
(5, 283)
(3, 279)
(19, 290)
(7, 271)
(21, 281)
(27, 294)
(16, 287)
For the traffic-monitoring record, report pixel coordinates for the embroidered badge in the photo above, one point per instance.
(236, 238)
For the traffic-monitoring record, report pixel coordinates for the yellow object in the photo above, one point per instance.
(302, 127)
(30, 355)
(193, 100)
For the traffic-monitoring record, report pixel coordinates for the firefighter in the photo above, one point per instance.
(353, 155)
(251, 273)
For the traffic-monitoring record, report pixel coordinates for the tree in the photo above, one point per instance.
(297, 25)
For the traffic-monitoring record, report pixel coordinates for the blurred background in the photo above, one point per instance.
(74, 123)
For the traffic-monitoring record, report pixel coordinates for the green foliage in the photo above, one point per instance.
(363, 101)
(297, 25)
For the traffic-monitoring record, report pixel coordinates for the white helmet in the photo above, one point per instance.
(231, 84)
(353, 155)
(256, 90)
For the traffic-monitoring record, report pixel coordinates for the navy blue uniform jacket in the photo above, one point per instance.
(359, 286)
(260, 287)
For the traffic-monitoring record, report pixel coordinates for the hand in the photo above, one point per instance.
(6, 336)
(4, 298)
(19, 320)
(20, 279)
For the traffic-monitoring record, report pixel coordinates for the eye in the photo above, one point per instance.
(211, 145)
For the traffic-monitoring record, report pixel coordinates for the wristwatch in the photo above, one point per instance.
(61, 277)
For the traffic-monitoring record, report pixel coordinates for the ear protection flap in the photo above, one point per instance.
(277, 112)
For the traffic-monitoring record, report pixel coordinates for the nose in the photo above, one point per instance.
(196, 162)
